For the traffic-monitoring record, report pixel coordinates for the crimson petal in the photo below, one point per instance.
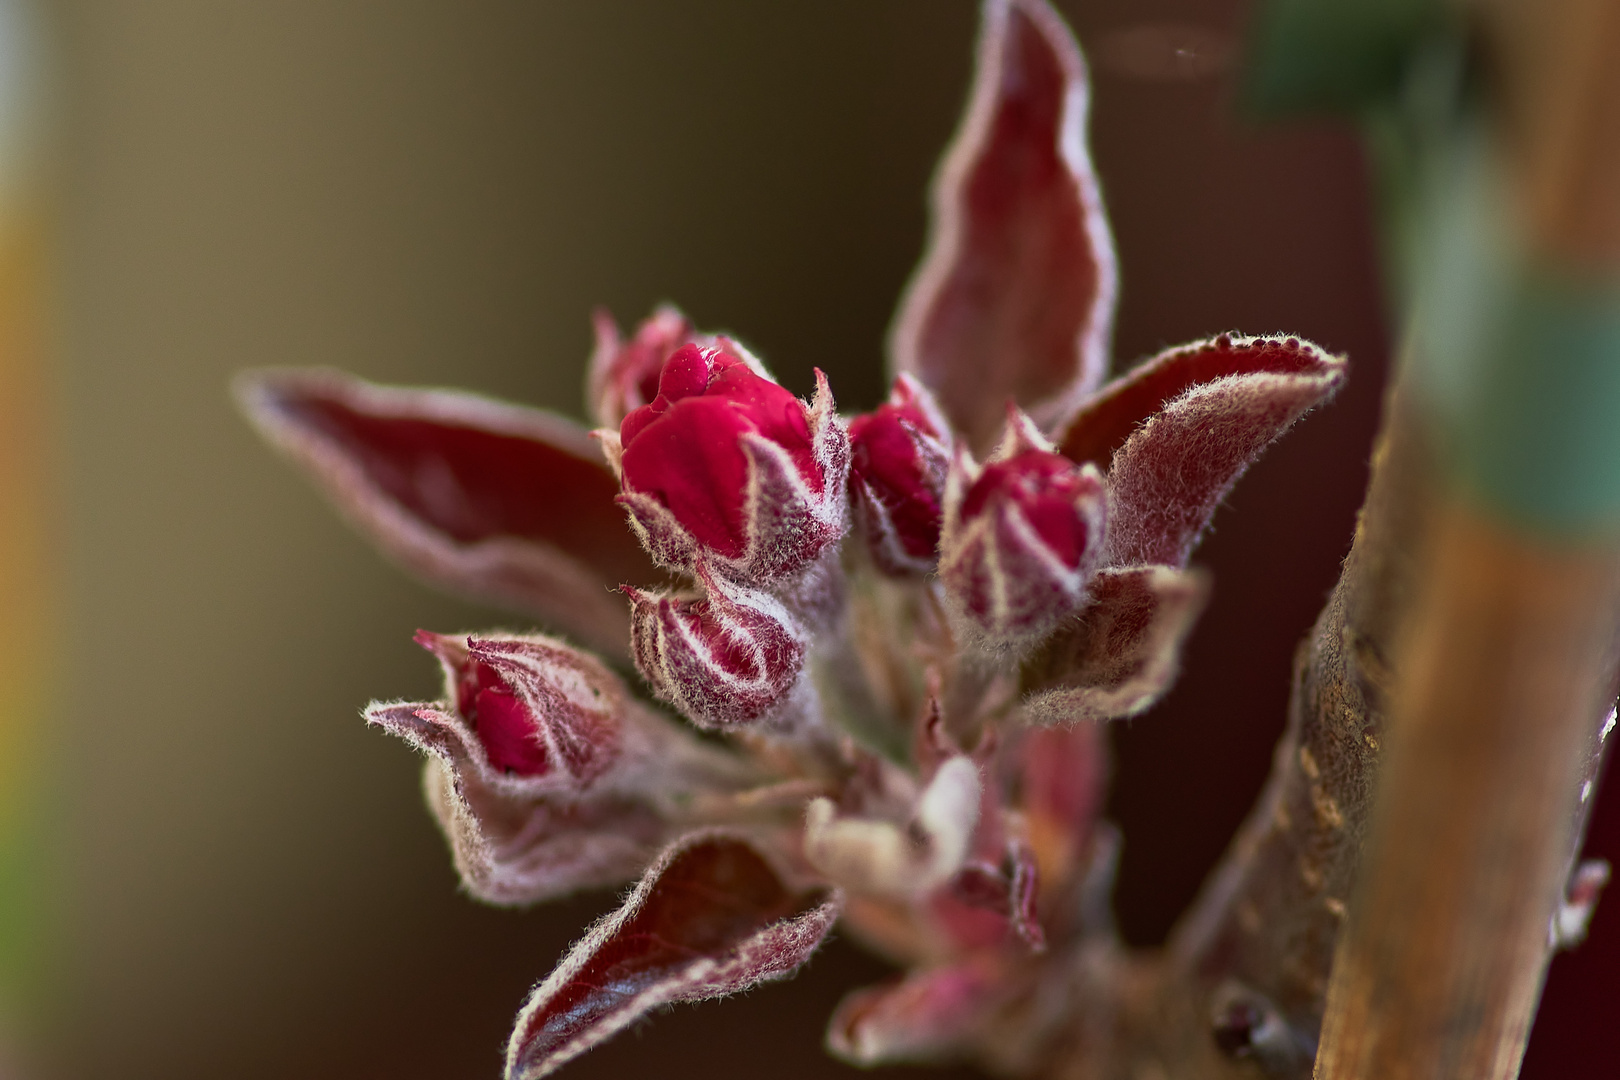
(1210, 408)
(1123, 651)
(508, 504)
(711, 917)
(1015, 296)
(582, 740)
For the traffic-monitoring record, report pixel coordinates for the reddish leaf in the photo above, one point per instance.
(1123, 652)
(1063, 781)
(1015, 296)
(509, 504)
(519, 840)
(615, 781)
(1210, 409)
(1113, 414)
(987, 905)
(711, 917)
(523, 841)
(932, 1015)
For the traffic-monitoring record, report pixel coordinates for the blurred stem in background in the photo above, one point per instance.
(27, 566)
(1495, 129)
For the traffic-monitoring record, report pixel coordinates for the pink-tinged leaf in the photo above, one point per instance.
(1015, 297)
(1113, 413)
(1180, 429)
(929, 1016)
(516, 848)
(547, 776)
(1123, 651)
(988, 904)
(508, 504)
(1062, 773)
(711, 917)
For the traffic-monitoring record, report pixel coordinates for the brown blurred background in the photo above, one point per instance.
(439, 193)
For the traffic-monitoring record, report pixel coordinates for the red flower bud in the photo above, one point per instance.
(726, 464)
(624, 374)
(730, 658)
(899, 457)
(535, 707)
(1022, 539)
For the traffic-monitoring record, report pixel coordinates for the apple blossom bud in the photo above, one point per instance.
(726, 465)
(899, 457)
(732, 657)
(1023, 536)
(624, 374)
(536, 707)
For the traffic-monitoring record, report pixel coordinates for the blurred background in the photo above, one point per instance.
(210, 867)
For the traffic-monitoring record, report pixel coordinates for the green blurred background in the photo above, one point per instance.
(244, 881)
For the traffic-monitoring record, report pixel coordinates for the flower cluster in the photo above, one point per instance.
(899, 629)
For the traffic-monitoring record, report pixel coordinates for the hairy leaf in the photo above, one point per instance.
(516, 843)
(1180, 429)
(1123, 651)
(1015, 297)
(508, 504)
(1113, 414)
(608, 782)
(711, 917)
(932, 1015)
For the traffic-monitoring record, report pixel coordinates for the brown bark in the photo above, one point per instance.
(1255, 950)
(1239, 989)
(1510, 674)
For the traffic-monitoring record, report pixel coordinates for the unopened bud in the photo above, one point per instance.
(1023, 537)
(732, 657)
(536, 706)
(727, 467)
(899, 457)
(624, 374)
